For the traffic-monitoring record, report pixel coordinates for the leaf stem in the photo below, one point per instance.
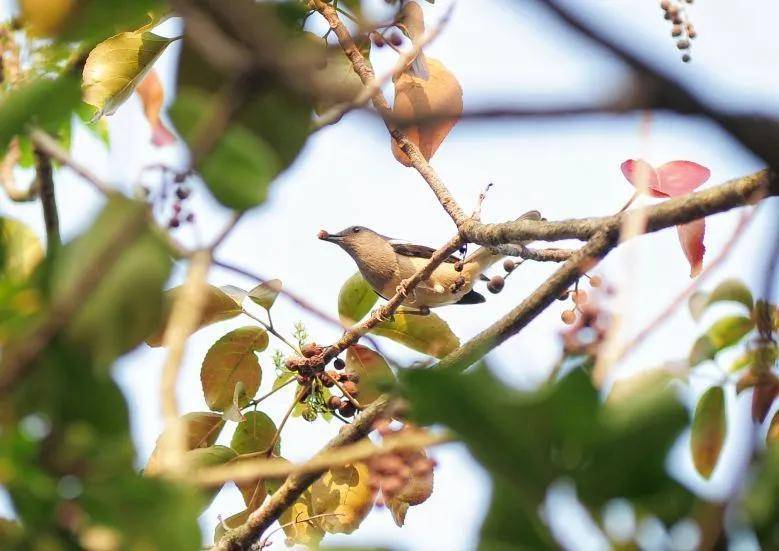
(256, 401)
(270, 329)
(298, 396)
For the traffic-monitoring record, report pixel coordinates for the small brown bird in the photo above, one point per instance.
(385, 262)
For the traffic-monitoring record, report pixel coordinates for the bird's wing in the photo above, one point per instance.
(418, 251)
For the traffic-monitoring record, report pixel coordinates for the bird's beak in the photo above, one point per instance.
(332, 238)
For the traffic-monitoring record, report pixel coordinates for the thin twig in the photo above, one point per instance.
(256, 401)
(44, 183)
(53, 149)
(298, 395)
(270, 329)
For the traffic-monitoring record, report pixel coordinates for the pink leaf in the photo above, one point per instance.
(681, 177)
(691, 238)
(642, 175)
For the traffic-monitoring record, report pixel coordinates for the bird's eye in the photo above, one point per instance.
(356, 230)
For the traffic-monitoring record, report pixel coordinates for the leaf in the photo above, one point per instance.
(398, 510)
(345, 495)
(265, 293)
(355, 299)
(20, 250)
(45, 17)
(418, 488)
(672, 179)
(232, 360)
(335, 81)
(427, 334)
(254, 434)
(375, 374)
(202, 430)
(233, 411)
(416, 97)
(691, 239)
(709, 427)
(94, 20)
(642, 176)
(152, 97)
(219, 306)
(722, 334)
(126, 306)
(772, 437)
(729, 290)
(201, 458)
(117, 65)
(232, 522)
(764, 393)
(295, 526)
(44, 102)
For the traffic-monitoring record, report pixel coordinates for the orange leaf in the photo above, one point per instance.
(709, 426)
(417, 97)
(152, 97)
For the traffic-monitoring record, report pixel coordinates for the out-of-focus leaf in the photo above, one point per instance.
(301, 531)
(723, 333)
(398, 510)
(418, 97)
(345, 495)
(152, 97)
(116, 66)
(94, 20)
(232, 360)
(20, 250)
(265, 293)
(730, 290)
(709, 427)
(232, 522)
(202, 458)
(629, 388)
(126, 306)
(45, 17)
(764, 393)
(691, 238)
(45, 102)
(375, 374)
(672, 179)
(427, 334)
(355, 299)
(219, 306)
(772, 437)
(202, 430)
(335, 81)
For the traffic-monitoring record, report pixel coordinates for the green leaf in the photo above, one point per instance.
(95, 20)
(709, 427)
(219, 306)
(427, 334)
(265, 293)
(375, 374)
(335, 81)
(44, 102)
(355, 299)
(730, 290)
(202, 430)
(117, 65)
(20, 250)
(254, 434)
(126, 305)
(232, 360)
(722, 334)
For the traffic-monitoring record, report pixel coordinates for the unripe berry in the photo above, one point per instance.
(568, 317)
(496, 284)
(580, 297)
(509, 265)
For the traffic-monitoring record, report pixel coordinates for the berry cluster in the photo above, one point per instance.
(683, 30)
(404, 474)
(579, 298)
(586, 336)
(312, 380)
(170, 200)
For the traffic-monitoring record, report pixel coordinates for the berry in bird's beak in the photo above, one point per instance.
(323, 234)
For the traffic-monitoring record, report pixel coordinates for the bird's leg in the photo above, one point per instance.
(401, 290)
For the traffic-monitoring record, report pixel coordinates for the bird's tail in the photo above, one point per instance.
(482, 258)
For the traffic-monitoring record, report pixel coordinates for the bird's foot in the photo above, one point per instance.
(424, 311)
(401, 289)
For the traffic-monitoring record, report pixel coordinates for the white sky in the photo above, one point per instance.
(503, 53)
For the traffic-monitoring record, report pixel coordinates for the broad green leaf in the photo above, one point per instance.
(723, 333)
(202, 430)
(95, 20)
(632, 387)
(219, 306)
(730, 290)
(117, 65)
(232, 360)
(203, 458)
(44, 102)
(296, 526)
(345, 494)
(283, 378)
(709, 427)
(254, 434)
(126, 306)
(355, 299)
(265, 293)
(427, 334)
(20, 250)
(375, 374)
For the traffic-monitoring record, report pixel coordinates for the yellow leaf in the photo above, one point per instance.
(45, 17)
(416, 97)
(427, 334)
(345, 495)
(295, 525)
(115, 67)
(20, 250)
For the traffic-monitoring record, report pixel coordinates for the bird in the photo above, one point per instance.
(385, 263)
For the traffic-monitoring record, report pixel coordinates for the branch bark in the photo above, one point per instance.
(44, 183)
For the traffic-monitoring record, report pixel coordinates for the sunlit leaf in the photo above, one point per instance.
(427, 334)
(20, 250)
(722, 334)
(709, 426)
(375, 374)
(95, 20)
(296, 525)
(232, 360)
(219, 306)
(254, 434)
(416, 97)
(344, 494)
(355, 299)
(117, 65)
(265, 293)
(729, 290)
(45, 17)
(152, 97)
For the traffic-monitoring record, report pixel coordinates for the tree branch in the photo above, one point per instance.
(44, 183)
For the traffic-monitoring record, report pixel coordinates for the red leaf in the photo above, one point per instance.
(152, 96)
(681, 177)
(642, 175)
(691, 238)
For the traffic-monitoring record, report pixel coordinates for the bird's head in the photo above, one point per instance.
(358, 241)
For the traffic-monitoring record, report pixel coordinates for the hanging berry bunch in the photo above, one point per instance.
(169, 200)
(683, 30)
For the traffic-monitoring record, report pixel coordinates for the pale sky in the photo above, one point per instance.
(503, 53)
